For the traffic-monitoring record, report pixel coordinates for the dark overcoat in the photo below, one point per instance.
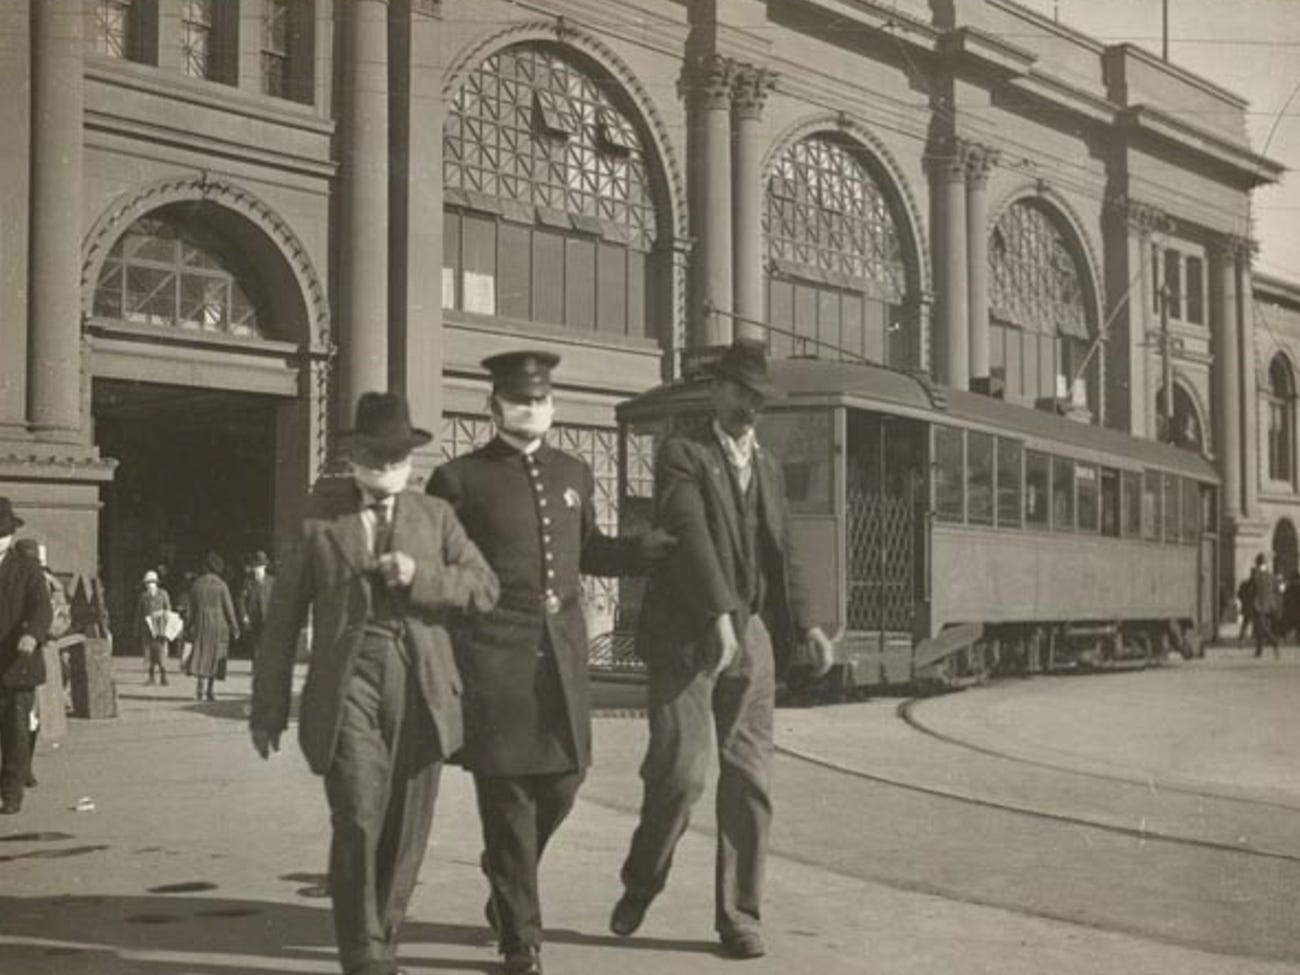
(24, 608)
(698, 581)
(210, 624)
(328, 572)
(536, 539)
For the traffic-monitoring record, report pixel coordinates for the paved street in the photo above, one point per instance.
(1140, 822)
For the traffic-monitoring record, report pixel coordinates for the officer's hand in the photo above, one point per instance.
(397, 568)
(657, 545)
(265, 741)
(824, 651)
(27, 643)
(728, 645)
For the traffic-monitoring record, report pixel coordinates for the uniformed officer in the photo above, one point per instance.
(528, 507)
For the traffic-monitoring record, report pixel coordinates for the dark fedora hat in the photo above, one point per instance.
(745, 362)
(9, 522)
(213, 562)
(383, 423)
(526, 372)
(259, 558)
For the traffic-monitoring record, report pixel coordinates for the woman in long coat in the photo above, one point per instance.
(210, 624)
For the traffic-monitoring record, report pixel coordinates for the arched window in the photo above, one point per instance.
(1041, 328)
(1186, 430)
(838, 280)
(549, 212)
(169, 272)
(1281, 417)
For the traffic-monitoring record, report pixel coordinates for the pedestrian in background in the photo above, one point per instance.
(254, 599)
(1264, 604)
(210, 624)
(151, 611)
(60, 624)
(1290, 606)
(723, 617)
(1246, 605)
(25, 615)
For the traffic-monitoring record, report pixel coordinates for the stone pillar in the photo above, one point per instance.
(981, 161)
(750, 92)
(952, 336)
(363, 183)
(58, 97)
(1250, 474)
(1226, 374)
(711, 83)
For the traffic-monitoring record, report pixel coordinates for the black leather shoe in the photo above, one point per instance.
(491, 916)
(31, 782)
(11, 807)
(628, 914)
(744, 944)
(525, 961)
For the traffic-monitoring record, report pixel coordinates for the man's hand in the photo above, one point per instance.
(265, 741)
(27, 643)
(397, 569)
(657, 545)
(824, 650)
(725, 633)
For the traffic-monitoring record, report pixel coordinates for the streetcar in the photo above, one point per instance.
(947, 535)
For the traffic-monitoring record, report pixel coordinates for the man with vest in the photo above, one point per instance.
(529, 508)
(723, 615)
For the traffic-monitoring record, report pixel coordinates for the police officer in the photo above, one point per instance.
(528, 507)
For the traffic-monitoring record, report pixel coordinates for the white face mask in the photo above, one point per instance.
(528, 420)
(151, 586)
(5, 542)
(259, 571)
(382, 481)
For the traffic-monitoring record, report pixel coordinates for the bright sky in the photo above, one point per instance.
(1250, 47)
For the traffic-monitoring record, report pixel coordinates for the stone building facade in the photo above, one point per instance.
(224, 219)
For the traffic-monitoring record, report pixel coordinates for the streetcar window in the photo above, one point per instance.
(1062, 494)
(979, 478)
(1209, 510)
(1086, 492)
(948, 474)
(1151, 518)
(803, 442)
(1038, 480)
(1131, 499)
(1110, 502)
(1010, 453)
(1191, 511)
(1172, 523)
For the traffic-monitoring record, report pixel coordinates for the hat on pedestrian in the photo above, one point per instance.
(745, 362)
(525, 373)
(9, 522)
(29, 547)
(259, 558)
(214, 563)
(151, 576)
(383, 424)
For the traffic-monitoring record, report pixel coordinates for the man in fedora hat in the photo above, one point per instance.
(723, 615)
(255, 598)
(25, 615)
(383, 571)
(527, 724)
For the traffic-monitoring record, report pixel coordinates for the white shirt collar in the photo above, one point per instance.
(525, 447)
(740, 449)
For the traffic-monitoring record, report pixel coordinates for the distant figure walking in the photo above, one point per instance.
(254, 598)
(1264, 605)
(210, 626)
(150, 625)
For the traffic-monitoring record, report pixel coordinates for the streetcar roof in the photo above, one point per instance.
(820, 382)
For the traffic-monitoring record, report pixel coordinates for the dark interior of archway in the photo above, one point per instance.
(196, 471)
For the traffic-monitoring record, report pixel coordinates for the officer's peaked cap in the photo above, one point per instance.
(523, 373)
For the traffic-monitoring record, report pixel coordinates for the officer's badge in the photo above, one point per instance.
(571, 499)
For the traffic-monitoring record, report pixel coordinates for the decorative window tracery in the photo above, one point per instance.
(1035, 280)
(1281, 420)
(196, 38)
(113, 28)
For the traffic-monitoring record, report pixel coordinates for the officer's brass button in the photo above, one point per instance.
(552, 603)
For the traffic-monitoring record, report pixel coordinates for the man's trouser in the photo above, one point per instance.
(381, 790)
(15, 741)
(682, 706)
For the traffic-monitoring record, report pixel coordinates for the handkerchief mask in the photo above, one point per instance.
(381, 482)
(529, 419)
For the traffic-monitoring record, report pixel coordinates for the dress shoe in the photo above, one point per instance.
(525, 961)
(31, 782)
(628, 914)
(490, 914)
(10, 807)
(744, 944)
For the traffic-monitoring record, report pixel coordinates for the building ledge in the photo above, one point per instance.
(976, 47)
(43, 461)
(1256, 169)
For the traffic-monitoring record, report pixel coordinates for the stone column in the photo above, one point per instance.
(54, 310)
(952, 337)
(1226, 374)
(1242, 249)
(750, 92)
(981, 161)
(711, 82)
(363, 183)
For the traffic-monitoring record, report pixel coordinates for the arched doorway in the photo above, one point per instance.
(1286, 550)
(1186, 431)
(196, 330)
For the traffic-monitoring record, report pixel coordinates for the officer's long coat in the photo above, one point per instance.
(534, 520)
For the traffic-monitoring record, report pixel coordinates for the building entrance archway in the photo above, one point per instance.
(1286, 549)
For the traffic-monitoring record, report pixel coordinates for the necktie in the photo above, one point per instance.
(383, 541)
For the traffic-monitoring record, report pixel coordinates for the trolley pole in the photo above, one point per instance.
(1167, 364)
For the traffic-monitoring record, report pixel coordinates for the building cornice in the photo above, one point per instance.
(1061, 94)
(1146, 120)
(1048, 25)
(880, 16)
(969, 46)
(1156, 63)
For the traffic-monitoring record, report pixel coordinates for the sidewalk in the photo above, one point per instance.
(200, 858)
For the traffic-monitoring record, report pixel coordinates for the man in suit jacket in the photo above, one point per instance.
(722, 616)
(529, 508)
(25, 615)
(383, 571)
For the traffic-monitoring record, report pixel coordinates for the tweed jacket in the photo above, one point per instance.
(536, 538)
(24, 608)
(698, 581)
(329, 572)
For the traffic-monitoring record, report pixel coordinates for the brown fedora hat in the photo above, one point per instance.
(745, 362)
(383, 423)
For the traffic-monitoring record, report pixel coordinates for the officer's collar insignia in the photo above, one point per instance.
(571, 499)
